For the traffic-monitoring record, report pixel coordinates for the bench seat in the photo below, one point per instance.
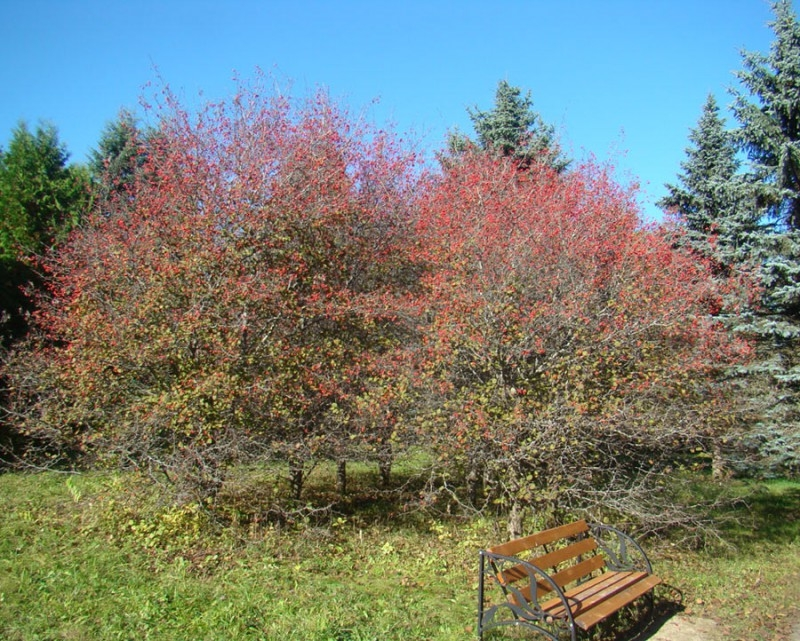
(599, 598)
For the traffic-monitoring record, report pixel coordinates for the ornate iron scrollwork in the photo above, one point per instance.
(622, 552)
(521, 609)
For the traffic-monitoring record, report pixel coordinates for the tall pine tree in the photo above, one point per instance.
(512, 128)
(768, 110)
(769, 113)
(710, 197)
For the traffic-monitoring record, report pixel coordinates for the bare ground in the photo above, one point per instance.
(683, 627)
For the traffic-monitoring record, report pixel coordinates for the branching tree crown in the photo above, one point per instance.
(564, 337)
(239, 299)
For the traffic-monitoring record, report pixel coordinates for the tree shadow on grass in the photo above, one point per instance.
(769, 513)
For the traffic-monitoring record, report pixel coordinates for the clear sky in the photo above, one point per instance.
(624, 80)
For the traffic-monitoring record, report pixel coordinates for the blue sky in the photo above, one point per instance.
(624, 80)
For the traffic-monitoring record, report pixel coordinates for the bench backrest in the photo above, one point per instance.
(566, 553)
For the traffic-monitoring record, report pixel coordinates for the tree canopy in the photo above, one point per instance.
(40, 195)
(236, 299)
(270, 279)
(512, 128)
(768, 109)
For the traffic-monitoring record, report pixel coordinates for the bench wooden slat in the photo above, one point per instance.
(584, 596)
(595, 600)
(614, 603)
(564, 578)
(557, 557)
(512, 548)
(551, 560)
(575, 572)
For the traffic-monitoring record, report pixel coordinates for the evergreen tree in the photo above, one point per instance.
(710, 201)
(119, 154)
(768, 111)
(770, 135)
(770, 123)
(707, 200)
(513, 128)
(41, 197)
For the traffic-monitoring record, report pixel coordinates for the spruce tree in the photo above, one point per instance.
(40, 195)
(709, 198)
(768, 110)
(41, 199)
(119, 154)
(770, 117)
(512, 128)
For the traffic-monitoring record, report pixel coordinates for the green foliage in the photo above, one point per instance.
(710, 200)
(41, 197)
(770, 117)
(512, 128)
(120, 153)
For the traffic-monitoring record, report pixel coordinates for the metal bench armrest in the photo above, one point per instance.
(517, 608)
(622, 552)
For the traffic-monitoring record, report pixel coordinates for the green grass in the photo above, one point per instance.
(83, 558)
(752, 584)
(77, 563)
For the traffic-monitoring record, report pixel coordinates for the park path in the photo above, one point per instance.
(686, 628)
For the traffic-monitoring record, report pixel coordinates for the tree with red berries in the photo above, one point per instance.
(573, 353)
(237, 299)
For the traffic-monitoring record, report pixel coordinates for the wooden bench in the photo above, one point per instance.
(562, 580)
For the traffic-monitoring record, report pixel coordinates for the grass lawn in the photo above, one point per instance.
(751, 585)
(79, 559)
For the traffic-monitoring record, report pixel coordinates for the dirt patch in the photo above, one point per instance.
(681, 627)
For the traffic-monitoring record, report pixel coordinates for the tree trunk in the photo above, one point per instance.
(515, 520)
(341, 477)
(474, 478)
(385, 460)
(296, 479)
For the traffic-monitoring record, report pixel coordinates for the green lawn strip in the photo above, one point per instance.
(77, 563)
